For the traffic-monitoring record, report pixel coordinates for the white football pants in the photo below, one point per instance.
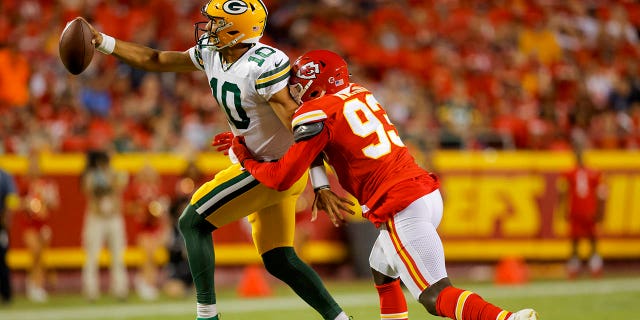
(409, 246)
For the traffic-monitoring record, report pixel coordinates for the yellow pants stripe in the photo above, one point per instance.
(223, 193)
(395, 316)
(408, 261)
(233, 194)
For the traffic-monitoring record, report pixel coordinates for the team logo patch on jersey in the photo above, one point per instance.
(235, 7)
(308, 71)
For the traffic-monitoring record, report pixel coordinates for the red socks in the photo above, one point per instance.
(452, 303)
(393, 306)
(459, 304)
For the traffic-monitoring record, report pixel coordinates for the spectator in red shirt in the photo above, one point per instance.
(149, 206)
(586, 194)
(40, 197)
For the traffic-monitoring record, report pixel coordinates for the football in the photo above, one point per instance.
(75, 47)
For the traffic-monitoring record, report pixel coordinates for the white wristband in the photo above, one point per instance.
(107, 45)
(319, 177)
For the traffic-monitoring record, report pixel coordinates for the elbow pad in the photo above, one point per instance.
(307, 131)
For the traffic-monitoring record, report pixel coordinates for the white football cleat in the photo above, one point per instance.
(36, 293)
(524, 314)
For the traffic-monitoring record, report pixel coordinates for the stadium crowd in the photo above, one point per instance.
(463, 74)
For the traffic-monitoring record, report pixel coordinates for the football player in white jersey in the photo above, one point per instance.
(249, 81)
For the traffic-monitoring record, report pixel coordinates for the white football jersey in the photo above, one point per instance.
(243, 90)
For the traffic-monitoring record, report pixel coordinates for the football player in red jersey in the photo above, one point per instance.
(586, 196)
(346, 122)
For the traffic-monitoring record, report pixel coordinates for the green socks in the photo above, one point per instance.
(284, 264)
(197, 237)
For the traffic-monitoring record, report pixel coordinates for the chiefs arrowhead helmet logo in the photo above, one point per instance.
(308, 71)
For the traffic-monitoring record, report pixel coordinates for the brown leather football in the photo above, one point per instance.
(75, 47)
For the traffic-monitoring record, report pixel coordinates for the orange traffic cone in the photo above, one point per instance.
(253, 283)
(511, 270)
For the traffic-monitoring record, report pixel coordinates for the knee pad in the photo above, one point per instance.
(429, 296)
(190, 221)
(280, 261)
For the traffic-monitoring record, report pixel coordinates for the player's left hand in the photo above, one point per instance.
(333, 205)
(223, 141)
(240, 149)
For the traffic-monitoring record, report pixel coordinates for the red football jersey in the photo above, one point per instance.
(583, 185)
(362, 146)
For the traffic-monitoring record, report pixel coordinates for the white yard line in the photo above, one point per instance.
(562, 288)
(124, 311)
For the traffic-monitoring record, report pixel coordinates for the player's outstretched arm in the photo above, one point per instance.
(142, 57)
(282, 174)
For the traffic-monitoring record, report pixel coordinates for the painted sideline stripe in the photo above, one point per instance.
(549, 289)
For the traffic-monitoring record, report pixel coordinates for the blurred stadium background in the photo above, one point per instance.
(489, 95)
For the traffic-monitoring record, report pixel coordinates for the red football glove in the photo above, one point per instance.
(240, 150)
(223, 141)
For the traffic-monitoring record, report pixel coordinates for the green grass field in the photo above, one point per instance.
(612, 298)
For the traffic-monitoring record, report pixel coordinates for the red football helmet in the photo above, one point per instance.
(315, 73)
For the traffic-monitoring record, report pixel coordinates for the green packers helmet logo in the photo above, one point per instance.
(235, 7)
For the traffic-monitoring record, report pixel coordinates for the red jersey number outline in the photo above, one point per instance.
(371, 125)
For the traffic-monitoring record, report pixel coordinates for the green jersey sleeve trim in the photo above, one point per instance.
(274, 76)
(196, 57)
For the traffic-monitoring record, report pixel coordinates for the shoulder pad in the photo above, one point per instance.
(307, 131)
(300, 117)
